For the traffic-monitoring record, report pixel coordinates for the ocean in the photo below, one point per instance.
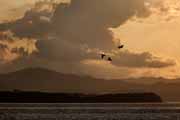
(88, 111)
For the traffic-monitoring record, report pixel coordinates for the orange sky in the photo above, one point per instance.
(158, 33)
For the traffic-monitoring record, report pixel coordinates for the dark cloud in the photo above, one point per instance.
(31, 25)
(88, 21)
(141, 60)
(80, 22)
(69, 33)
(35, 22)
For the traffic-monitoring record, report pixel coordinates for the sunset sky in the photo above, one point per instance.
(69, 37)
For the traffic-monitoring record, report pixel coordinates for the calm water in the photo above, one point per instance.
(166, 111)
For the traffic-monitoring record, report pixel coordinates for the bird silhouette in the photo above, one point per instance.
(109, 59)
(120, 46)
(103, 55)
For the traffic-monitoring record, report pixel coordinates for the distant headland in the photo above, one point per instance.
(43, 97)
(54, 87)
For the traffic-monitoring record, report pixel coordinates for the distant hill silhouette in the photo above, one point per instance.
(42, 97)
(40, 79)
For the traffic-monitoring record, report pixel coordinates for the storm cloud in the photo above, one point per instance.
(68, 33)
(80, 22)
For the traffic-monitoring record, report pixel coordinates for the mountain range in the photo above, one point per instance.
(41, 79)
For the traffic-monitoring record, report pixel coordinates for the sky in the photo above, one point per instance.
(69, 36)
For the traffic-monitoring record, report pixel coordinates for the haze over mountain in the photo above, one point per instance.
(40, 79)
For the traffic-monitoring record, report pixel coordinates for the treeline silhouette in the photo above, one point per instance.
(43, 97)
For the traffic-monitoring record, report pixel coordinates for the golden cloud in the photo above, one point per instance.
(12, 47)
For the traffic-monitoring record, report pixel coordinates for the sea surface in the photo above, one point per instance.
(99, 111)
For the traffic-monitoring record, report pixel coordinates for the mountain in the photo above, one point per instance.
(40, 79)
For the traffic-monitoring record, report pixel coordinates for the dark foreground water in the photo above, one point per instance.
(166, 111)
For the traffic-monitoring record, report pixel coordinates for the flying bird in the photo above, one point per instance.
(120, 46)
(103, 55)
(109, 59)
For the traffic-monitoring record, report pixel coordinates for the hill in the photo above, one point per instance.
(39, 79)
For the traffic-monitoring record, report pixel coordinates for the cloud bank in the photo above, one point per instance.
(66, 34)
(141, 60)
